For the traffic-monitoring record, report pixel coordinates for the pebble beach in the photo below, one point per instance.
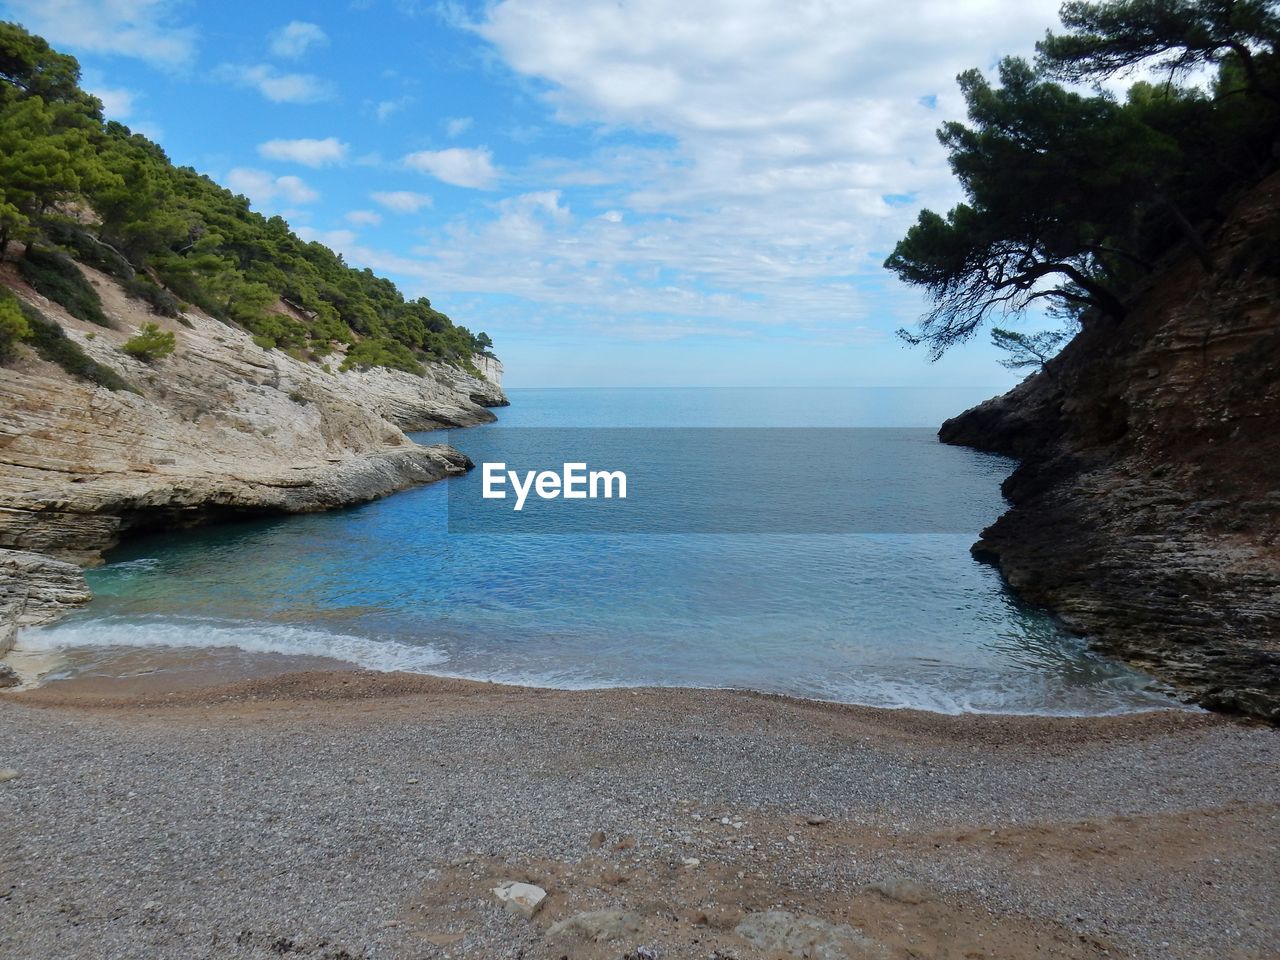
(345, 814)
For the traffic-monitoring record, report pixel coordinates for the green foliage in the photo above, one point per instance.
(1074, 199)
(56, 276)
(198, 242)
(381, 352)
(14, 327)
(1172, 36)
(161, 300)
(53, 345)
(150, 343)
(29, 66)
(45, 121)
(84, 247)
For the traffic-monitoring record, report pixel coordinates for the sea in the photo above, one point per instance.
(811, 542)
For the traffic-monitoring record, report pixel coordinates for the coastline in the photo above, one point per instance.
(223, 428)
(1144, 835)
(125, 672)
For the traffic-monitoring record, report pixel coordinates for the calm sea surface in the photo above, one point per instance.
(881, 605)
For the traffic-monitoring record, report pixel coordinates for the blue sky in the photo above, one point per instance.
(620, 193)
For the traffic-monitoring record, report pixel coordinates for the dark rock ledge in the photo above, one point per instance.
(1145, 511)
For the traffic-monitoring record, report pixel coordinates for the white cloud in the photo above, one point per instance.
(296, 38)
(457, 126)
(340, 240)
(384, 110)
(117, 103)
(793, 149)
(145, 29)
(364, 218)
(401, 201)
(460, 166)
(276, 86)
(265, 189)
(311, 153)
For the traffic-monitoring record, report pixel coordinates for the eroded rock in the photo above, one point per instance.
(524, 899)
(598, 926)
(36, 589)
(799, 935)
(1146, 509)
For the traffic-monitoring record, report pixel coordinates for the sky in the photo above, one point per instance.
(620, 192)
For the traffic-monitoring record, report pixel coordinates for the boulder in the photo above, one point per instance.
(798, 935)
(522, 898)
(598, 926)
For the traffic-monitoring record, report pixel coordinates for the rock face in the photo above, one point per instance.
(220, 428)
(444, 397)
(36, 589)
(1146, 509)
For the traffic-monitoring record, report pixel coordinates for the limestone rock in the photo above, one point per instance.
(36, 589)
(798, 935)
(220, 429)
(598, 926)
(522, 898)
(902, 891)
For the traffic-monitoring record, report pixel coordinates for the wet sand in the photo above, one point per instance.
(342, 813)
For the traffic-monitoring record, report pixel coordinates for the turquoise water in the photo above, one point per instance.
(899, 616)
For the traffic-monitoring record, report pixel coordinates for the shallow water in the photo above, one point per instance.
(898, 616)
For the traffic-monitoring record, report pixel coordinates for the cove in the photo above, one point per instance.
(897, 619)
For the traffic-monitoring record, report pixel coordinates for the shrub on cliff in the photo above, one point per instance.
(150, 343)
(160, 300)
(381, 352)
(52, 344)
(56, 276)
(13, 326)
(85, 248)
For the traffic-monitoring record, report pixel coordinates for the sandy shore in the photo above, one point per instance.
(348, 815)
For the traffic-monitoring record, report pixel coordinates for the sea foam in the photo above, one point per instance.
(187, 633)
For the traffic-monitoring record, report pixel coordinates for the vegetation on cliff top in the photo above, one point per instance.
(1077, 198)
(21, 322)
(70, 181)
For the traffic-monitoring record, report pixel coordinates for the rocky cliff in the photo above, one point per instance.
(219, 428)
(1146, 509)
